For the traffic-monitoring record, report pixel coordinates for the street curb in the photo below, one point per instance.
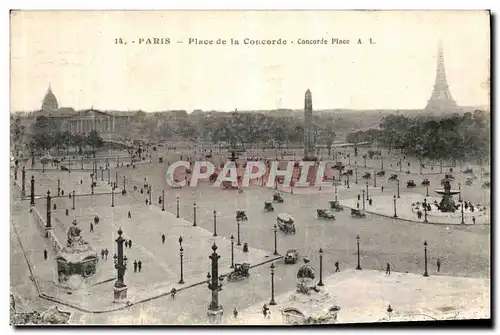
(421, 222)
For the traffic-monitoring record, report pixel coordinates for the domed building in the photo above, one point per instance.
(80, 122)
(49, 103)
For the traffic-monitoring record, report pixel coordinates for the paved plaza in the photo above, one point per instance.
(383, 239)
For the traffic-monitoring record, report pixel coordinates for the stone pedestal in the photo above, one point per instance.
(120, 293)
(215, 316)
(313, 308)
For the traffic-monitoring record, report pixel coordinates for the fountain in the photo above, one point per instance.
(447, 203)
(309, 305)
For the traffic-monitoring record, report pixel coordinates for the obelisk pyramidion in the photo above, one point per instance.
(308, 127)
(441, 99)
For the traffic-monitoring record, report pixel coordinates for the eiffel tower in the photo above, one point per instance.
(441, 99)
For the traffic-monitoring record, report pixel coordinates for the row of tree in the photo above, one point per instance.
(243, 129)
(455, 137)
(47, 134)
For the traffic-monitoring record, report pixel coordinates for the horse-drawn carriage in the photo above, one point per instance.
(335, 205)
(367, 175)
(241, 216)
(278, 198)
(325, 214)
(240, 272)
(393, 177)
(426, 182)
(468, 181)
(268, 206)
(468, 170)
(357, 213)
(228, 185)
(410, 184)
(380, 173)
(286, 223)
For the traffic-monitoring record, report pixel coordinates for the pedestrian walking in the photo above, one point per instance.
(388, 269)
(126, 243)
(129, 215)
(45, 254)
(67, 212)
(139, 265)
(91, 227)
(130, 243)
(135, 266)
(173, 292)
(438, 263)
(55, 206)
(357, 205)
(473, 220)
(382, 188)
(106, 253)
(235, 313)
(163, 238)
(337, 266)
(245, 247)
(265, 310)
(102, 253)
(147, 202)
(370, 201)
(359, 197)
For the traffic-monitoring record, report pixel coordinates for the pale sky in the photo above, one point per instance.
(76, 53)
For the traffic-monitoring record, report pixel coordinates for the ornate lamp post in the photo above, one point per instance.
(73, 198)
(272, 302)
(395, 214)
(181, 281)
(23, 182)
(462, 210)
(112, 197)
(459, 193)
(400, 165)
(109, 176)
(238, 231)
(215, 223)
(194, 213)
(367, 197)
(102, 173)
(374, 179)
(363, 197)
(320, 283)
(43, 165)
(119, 288)
(425, 259)
(124, 184)
(398, 189)
(58, 186)
(150, 195)
(365, 159)
(232, 252)
(348, 181)
(49, 224)
(275, 229)
(163, 200)
(425, 210)
(116, 179)
(359, 263)
(215, 310)
(356, 172)
(382, 159)
(177, 199)
(427, 190)
(32, 193)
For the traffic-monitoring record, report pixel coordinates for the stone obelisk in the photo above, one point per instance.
(308, 127)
